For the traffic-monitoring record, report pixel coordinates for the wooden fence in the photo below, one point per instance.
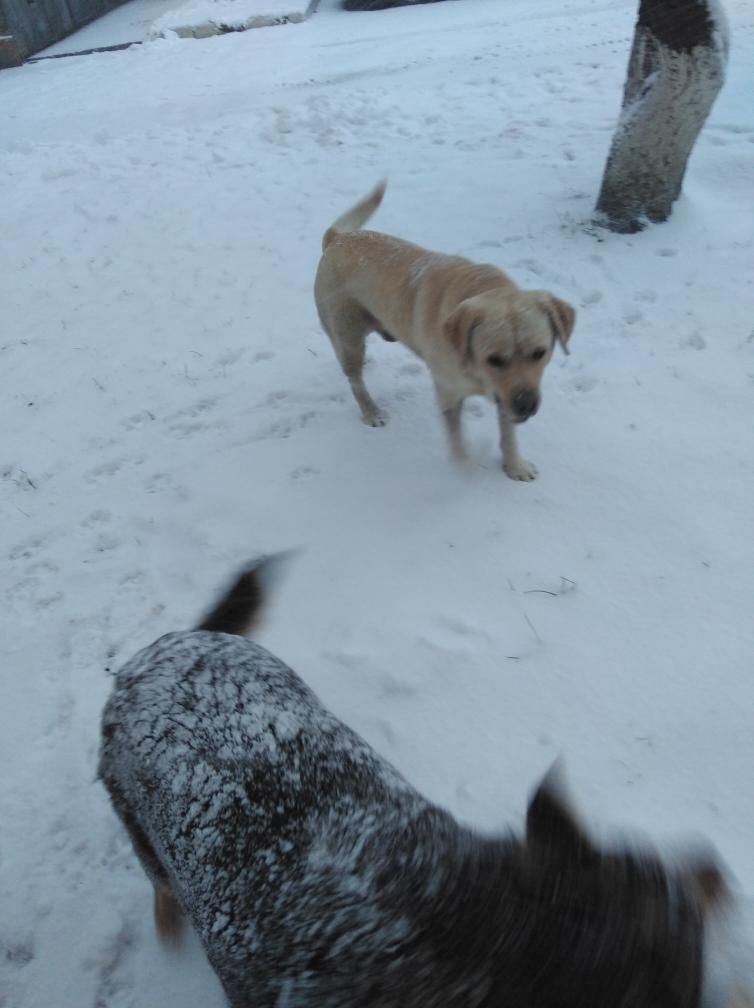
(26, 26)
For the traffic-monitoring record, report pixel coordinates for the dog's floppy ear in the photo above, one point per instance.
(707, 877)
(552, 828)
(459, 327)
(561, 315)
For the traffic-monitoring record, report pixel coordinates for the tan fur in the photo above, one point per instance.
(454, 314)
(742, 999)
(168, 916)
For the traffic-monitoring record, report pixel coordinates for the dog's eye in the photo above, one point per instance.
(495, 360)
(538, 354)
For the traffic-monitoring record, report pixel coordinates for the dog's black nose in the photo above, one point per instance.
(526, 403)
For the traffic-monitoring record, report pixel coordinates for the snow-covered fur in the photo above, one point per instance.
(315, 875)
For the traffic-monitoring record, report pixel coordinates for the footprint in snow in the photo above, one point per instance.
(138, 420)
(106, 543)
(584, 383)
(116, 982)
(18, 953)
(273, 398)
(531, 265)
(632, 316)
(391, 686)
(104, 471)
(187, 428)
(459, 627)
(284, 428)
(229, 357)
(96, 518)
(28, 594)
(694, 341)
(198, 408)
(163, 483)
(42, 567)
(304, 473)
(133, 579)
(28, 548)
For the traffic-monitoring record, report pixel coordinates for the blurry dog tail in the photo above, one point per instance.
(357, 216)
(239, 608)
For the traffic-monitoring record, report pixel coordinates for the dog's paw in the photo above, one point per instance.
(520, 469)
(376, 419)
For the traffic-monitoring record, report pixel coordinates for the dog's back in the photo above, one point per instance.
(250, 803)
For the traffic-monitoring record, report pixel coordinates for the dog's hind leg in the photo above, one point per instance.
(168, 915)
(348, 326)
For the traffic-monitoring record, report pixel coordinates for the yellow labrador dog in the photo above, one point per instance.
(477, 332)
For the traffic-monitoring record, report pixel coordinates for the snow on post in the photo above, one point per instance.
(675, 72)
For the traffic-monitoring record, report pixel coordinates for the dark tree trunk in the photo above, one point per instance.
(675, 72)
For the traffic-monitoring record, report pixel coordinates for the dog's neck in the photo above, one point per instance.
(451, 885)
(513, 932)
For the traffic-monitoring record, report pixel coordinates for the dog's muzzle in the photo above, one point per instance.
(525, 404)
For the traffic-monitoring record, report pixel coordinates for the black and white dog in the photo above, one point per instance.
(317, 877)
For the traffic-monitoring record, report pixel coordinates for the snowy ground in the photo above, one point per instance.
(170, 407)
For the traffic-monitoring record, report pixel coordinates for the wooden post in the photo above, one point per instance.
(675, 72)
(11, 54)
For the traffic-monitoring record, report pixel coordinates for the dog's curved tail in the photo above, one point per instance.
(239, 608)
(357, 216)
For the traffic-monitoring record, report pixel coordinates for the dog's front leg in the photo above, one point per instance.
(451, 407)
(513, 465)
